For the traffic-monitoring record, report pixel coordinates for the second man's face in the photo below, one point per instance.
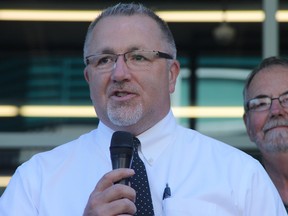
(269, 128)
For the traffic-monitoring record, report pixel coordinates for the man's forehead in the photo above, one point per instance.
(269, 81)
(124, 33)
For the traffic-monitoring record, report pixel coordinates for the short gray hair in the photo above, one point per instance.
(129, 10)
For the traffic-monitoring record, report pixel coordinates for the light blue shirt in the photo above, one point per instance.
(206, 177)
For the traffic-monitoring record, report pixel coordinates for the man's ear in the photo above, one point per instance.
(247, 125)
(173, 74)
(86, 74)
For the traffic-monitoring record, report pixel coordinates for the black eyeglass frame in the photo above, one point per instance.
(271, 100)
(159, 54)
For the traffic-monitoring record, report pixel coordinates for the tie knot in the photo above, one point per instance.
(136, 143)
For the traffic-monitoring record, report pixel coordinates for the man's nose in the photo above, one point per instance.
(120, 70)
(276, 107)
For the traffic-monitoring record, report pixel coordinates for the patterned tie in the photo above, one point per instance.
(141, 185)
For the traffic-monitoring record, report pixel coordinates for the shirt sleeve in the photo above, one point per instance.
(263, 196)
(17, 198)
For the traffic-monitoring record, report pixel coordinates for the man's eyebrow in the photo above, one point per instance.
(106, 50)
(264, 96)
(286, 92)
(112, 51)
(260, 96)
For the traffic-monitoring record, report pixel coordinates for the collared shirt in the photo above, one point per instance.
(206, 177)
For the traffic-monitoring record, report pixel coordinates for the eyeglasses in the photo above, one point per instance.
(264, 103)
(135, 60)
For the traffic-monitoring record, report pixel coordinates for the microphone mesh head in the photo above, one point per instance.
(121, 149)
(122, 139)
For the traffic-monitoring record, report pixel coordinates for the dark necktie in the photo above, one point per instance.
(140, 184)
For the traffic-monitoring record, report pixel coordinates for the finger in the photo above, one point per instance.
(120, 207)
(119, 191)
(113, 193)
(113, 176)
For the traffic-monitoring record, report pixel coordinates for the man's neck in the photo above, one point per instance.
(276, 165)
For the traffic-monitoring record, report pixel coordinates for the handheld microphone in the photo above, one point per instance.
(121, 150)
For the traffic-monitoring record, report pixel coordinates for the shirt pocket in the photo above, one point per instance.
(190, 207)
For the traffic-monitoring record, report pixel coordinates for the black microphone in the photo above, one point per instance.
(121, 150)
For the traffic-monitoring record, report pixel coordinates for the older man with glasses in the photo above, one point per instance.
(266, 118)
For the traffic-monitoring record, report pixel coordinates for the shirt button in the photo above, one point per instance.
(150, 160)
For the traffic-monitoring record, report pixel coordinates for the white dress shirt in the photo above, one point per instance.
(206, 177)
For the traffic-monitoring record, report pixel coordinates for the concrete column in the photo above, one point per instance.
(270, 46)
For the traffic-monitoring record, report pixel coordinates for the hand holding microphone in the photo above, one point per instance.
(109, 198)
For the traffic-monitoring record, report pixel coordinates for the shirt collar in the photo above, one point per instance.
(156, 139)
(153, 141)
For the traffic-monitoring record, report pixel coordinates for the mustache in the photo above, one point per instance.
(122, 86)
(275, 123)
